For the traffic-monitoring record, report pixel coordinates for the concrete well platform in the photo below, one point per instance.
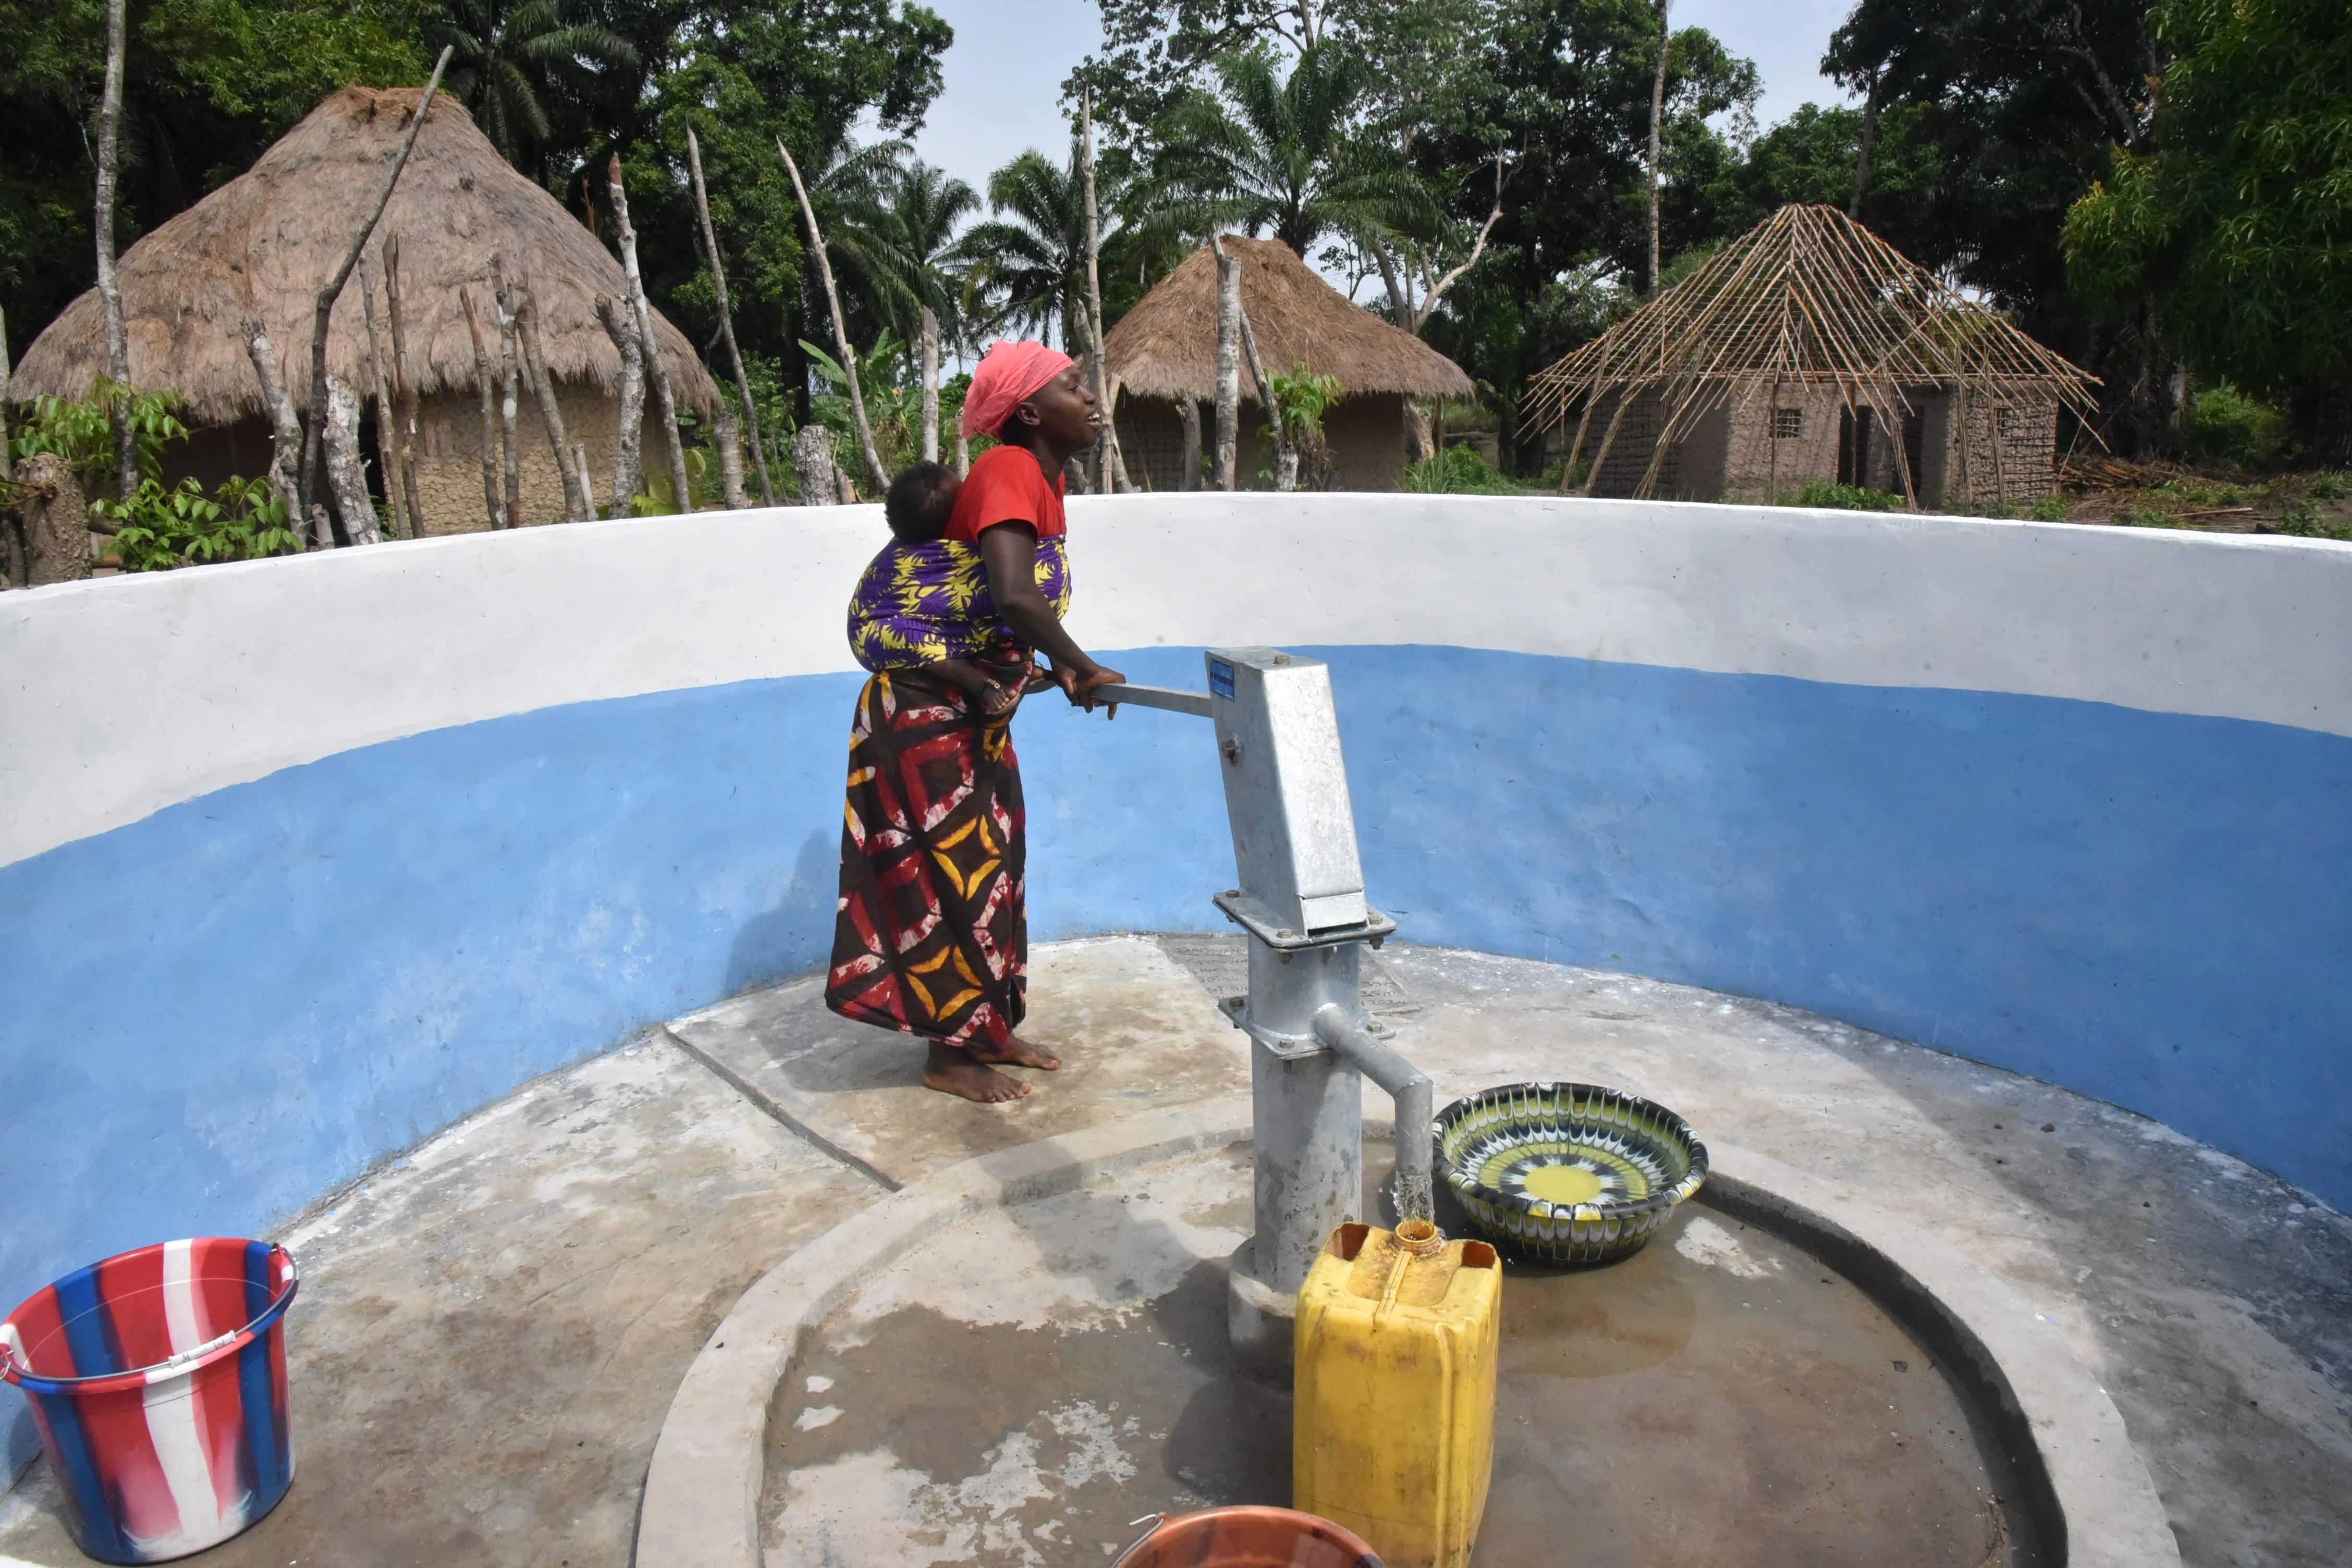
(1023, 1384)
(493, 1332)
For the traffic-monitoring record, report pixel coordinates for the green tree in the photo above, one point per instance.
(745, 74)
(2235, 211)
(1566, 89)
(518, 66)
(920, 213)
(207, 84)
(1028, 262)
(1813, 157)
(1283, 151)
(2014, 105)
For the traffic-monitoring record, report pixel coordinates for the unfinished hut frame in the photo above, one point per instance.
(1776, 363)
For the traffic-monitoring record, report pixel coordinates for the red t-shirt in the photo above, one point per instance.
(1007, 485)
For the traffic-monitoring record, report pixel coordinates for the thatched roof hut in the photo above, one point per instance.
(263, 245)
(1162, 355)
(1801, 351)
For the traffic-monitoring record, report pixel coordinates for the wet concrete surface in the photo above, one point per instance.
(487, 1338)
(1134, 1031)
(1021, 1388)
(2213, 1302)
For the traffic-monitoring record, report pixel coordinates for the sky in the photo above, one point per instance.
(1003, 75)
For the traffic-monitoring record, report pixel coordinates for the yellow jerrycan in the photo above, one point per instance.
(1394, 1423)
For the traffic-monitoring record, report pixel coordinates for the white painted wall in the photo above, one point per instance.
(121, 696)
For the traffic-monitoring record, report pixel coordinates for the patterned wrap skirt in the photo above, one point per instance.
(933, 934)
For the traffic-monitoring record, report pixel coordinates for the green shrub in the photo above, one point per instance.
(2051, 508)
(2327, 486)
(158, 529)
(82, 432)
(1841, 497)
(1459, 472)
(2224, 426)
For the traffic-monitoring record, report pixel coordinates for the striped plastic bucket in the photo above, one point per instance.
(158, 1380)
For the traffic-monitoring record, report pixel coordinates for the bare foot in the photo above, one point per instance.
(952, 1070)
(1020, 1053)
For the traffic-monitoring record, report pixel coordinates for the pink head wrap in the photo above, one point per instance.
(1008, 374)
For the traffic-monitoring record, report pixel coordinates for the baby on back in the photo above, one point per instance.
(911, 608)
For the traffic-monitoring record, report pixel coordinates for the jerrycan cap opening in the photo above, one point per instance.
(1421, 1238)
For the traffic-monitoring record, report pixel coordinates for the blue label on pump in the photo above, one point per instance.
(1220, 679)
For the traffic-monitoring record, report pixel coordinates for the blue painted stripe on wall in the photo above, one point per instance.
(2152, 908)
(223, 1009)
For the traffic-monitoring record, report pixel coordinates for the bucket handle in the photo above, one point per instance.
(1155, 1521)
(14, 1371)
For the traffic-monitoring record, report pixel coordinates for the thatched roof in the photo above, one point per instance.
(264, 244)
(1167, 345)
(1808, 296)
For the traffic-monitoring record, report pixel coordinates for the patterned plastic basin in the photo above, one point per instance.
(1567, 1172)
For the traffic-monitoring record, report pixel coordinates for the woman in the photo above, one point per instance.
(932, 937)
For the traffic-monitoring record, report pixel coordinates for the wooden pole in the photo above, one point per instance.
(380, 388)
(727, 439)
(930, 387)
(510, 398)
(1106, 462)
(110, 287)
(1967, 440)
(1229, 367)
(1118, 454)
(1568, 464)
(628, 447)
(347, 466)
(12, 526)
(1657, 120)
(1608, 438)
(657, 372)
(286, 445)
(1286, 455)
(577, 506)
(7, 463)
(404, 387)
(487, 378)
(2000, 468)
(1188, 415)
(820, 477)
(323, 312)
(750, 414)
(840, 331)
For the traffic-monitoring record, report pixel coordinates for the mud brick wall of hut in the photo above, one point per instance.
(449, 455)
(1759, 446)
(1365, 437)
(1779, 440)
(2011, 446)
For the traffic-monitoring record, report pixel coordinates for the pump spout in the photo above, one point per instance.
(1409, 1086)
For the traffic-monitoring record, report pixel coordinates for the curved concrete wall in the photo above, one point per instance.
(303, 859)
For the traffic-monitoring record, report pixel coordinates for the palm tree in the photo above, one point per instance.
(925, 207)
(1029, 262)
(1026, 267)
(853, 194)
(1287, 153)
(520, 63)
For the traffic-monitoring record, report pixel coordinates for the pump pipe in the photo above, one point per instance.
(1409, 1086)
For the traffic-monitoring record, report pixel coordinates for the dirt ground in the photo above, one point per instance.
(2314, 503)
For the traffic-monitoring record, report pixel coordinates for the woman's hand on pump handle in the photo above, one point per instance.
(1085, 691)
